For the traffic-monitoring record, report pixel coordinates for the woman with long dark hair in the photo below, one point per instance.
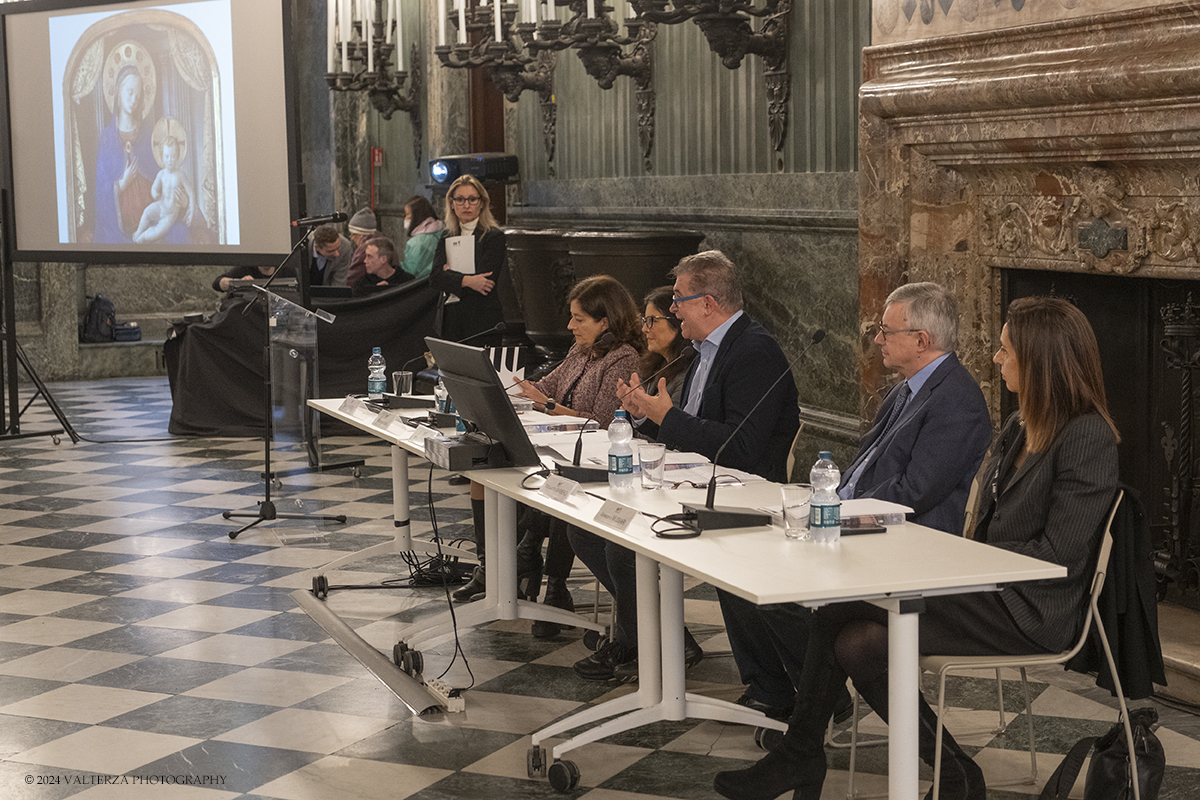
(608, 344)
(668, 354)
(424, 231)
(1046, 493)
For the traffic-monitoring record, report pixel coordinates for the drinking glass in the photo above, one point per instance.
(402, 382)
(653, 459)
(796, 497)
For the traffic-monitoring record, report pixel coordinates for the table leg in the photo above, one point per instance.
(662, 693)
(500, 593)
(903, 688)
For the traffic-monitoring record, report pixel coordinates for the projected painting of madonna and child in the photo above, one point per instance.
(142, 114)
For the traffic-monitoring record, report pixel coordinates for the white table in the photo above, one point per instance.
(895, 570)
(500, 542)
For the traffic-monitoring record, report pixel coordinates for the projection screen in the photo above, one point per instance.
(148, 132)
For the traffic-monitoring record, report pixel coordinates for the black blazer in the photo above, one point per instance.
(747, 363)
(474, 312)
(1051, 508)
(930, 456)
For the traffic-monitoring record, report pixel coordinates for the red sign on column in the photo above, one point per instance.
(376, 156)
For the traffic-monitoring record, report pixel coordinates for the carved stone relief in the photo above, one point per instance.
(1097, 222)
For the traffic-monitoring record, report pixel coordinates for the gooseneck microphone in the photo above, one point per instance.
(708, 516)
(327, 219)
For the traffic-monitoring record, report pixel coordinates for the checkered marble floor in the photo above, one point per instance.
(144, 653)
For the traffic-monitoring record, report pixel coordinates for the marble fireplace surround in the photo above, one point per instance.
(1069, 146)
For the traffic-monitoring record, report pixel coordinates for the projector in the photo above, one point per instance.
(487, 167)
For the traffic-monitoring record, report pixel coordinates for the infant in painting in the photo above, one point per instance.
(171, 190)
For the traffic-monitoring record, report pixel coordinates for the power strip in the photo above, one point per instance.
(446, 694)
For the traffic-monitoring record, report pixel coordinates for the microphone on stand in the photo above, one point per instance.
(327, 219)
(708, 516)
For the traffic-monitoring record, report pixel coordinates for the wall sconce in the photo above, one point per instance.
(726, 26)
(359, 59)
(594, 35)
(502, 55)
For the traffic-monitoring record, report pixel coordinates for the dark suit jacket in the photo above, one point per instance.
(930, 456)
(747, 363)
(473, 312)
(1051, 508)
(337, 269)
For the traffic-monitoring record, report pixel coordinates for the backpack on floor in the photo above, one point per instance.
(97, 324)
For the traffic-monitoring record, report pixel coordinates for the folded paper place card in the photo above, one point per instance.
(559, 488)
(350, 406)
(615, 515)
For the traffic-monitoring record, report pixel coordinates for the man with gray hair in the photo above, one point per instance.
(922, 451)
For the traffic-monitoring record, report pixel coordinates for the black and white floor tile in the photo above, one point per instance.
(145, 654)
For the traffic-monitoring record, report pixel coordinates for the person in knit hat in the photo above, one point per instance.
(363, 228)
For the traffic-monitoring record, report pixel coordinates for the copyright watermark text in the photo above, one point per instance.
(85, 779)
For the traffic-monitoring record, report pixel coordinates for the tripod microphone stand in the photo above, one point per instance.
(277, 309)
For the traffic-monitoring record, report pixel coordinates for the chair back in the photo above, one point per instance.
(1106, 543)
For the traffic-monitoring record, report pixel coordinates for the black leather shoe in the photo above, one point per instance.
(782, 713)
(600, 665)
(469, 590)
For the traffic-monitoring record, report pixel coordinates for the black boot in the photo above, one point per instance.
(529, 566)
(559, 596)
(961, 777)
(475, 586)
(798, 762)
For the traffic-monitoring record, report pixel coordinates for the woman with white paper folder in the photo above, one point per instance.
(467, 264)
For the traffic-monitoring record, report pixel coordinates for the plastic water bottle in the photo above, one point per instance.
(620, 454)
(377, 375)
(825, 508)
(440, 394)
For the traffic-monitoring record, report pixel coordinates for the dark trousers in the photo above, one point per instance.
(768, 643)
(615, 567)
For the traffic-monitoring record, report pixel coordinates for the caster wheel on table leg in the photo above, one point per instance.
(564, 776)
(594, 640)
(320, 587)
(535, 762)
(412, 662)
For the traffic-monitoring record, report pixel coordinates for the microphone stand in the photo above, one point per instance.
(267, 511)
(710, 517)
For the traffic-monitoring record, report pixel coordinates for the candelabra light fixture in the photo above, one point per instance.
(520, 55)
(499, 48)
(363, 37)
(726, 25)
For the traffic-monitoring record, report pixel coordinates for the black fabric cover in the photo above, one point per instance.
(216, 367)
(1128, 607)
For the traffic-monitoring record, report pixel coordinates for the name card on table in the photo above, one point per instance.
(350, 405)
(615, 515)
(385, 419)
(558, 488)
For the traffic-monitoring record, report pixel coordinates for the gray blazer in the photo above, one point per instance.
(1051, 508)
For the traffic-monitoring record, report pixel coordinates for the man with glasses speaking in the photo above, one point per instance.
(737, 362)
(923, 451)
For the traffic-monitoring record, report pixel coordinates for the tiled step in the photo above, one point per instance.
(1179, 631)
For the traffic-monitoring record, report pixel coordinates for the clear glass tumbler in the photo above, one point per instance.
(796, 497)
